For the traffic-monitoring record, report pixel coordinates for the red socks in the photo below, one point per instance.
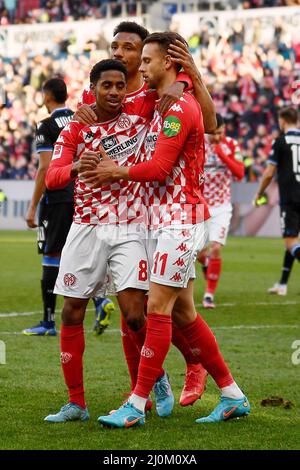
(154, 351)
(202, 341)
(213, 274)
(179, 341)
(131, 352)
(72, 349)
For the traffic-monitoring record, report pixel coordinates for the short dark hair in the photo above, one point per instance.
(164, 40)
(289, 114)
(57, 87)
(220, 120)
(103, 66)
(131, 27)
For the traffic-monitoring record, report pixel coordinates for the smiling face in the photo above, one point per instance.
(154, 64)
(127, 48)
(110, 90)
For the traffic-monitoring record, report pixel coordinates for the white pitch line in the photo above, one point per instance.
(215, 328)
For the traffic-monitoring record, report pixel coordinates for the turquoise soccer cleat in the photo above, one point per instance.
(164, 396)
(104, 310)
(126, 416)
(69, 412)
(228, 408)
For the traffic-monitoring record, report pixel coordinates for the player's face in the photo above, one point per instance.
(153, 64)
(216, 137)
(127, 47)
(110, 90)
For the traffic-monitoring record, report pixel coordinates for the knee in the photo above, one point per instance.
(73, 311)
(134, 317)
(216, 249)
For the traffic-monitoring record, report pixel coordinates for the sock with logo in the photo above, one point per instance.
(72, 349)
(154, 351)
(179, 341)
(213, 274)
(50, 272)
(286, 267)
(202, 341)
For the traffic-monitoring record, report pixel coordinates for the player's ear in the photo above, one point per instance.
(93, 89)
(168, 62)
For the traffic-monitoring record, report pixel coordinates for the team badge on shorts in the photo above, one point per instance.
(70, 280)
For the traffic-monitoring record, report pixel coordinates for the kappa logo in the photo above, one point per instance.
(65, 357)
(40, 139)
(147, 352)
(182, 247)
(176, 277)
(179, 262)
(109, 142)
(176, 107)
(69, 280)
(61, 139)
(88, 136)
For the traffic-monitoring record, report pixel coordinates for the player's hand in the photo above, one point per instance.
(88, 161)
(173, 94)
(103, 173)
(85, 115)
(30, 217)
(180, 54)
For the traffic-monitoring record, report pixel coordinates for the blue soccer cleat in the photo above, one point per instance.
(164, 396)
(104, 309)
(44, 328)
(228, 408)
(69, 412)
(127, 416)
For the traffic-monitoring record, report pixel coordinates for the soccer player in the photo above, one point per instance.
(284, 160)
(178, 218)
(223, 162)
(56, 207)
(55, 212)
(126, 46)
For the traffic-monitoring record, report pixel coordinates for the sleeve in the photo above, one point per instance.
(176, 126)
(186, 79)
(275, 153)
(43, 139)
(58, 174)
(233, 159)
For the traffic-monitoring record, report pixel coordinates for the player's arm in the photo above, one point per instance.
(182, 56)
(266, 180)
(175, 91)
(39, 187)
(167, 150)
(234, 163)
(270, 170)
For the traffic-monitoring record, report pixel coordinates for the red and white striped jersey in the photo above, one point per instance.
(179, 199)
(122, 138)
(218, 177)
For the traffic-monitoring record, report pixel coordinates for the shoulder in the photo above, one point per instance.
(44, 124)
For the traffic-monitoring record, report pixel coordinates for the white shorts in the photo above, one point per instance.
(172, 252)
(219, 223)
(90, 249)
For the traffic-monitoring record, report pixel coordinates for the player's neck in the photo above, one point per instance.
(53, 106)
(165, 83)
(134, 82)
(104, 116)
(289, 127)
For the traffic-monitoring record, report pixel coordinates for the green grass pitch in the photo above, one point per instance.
(255, 332)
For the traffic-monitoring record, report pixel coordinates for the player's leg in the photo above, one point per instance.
(54, 224)
(218, 230)
(80, 277)
(290, 227)
(203, 259)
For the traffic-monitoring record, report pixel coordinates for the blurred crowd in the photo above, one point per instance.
(249, 77)
(44, 11)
